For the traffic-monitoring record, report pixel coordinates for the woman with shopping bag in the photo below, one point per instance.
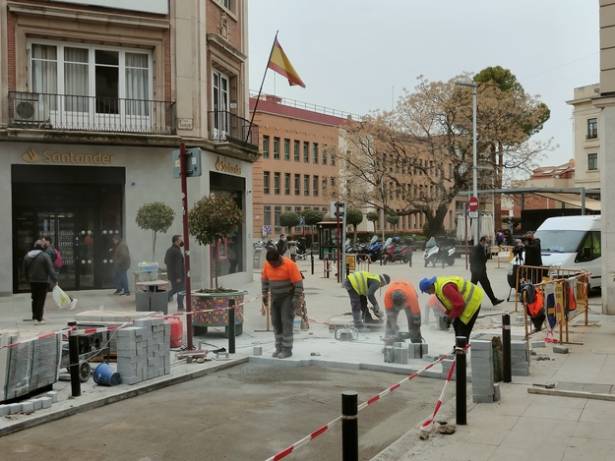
(40, 273)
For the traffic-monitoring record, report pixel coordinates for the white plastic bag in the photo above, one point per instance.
(60, 297)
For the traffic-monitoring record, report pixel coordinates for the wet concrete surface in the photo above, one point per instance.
(248, 412)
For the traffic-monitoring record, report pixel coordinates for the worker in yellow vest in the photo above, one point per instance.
(460, 298)
(361, 286)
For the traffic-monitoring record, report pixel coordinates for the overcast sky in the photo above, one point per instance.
(354, 55)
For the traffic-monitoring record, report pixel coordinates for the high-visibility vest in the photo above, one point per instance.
(412, 301)
(359, 281)
(472, 295)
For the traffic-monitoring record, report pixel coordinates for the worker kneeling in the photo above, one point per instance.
(282, 278)
(460, 298)
(400, 296)
(361, 286)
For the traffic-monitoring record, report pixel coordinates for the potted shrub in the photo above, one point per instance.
(213, 219)
(157, 217)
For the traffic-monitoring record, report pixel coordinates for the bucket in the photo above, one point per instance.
(177, 330)
(105, 376)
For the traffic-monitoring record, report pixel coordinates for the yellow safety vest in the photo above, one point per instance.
(359, 280)
(472, 295)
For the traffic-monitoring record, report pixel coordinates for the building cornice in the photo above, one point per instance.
(215, 39)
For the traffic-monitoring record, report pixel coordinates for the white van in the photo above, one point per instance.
(572, 242)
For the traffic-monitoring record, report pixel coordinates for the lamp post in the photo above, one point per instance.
(474, 87)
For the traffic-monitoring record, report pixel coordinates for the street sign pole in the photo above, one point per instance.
(187, 287)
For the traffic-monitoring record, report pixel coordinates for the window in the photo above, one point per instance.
(306, 184)
(76, 79)
(297, 184)
(287, 183)
(266, 142)
(266, 182)
(276, 148)
(276, 183)
(591, 248)
(315, 185)
(221, 100)
(315, 152)
(332, 182)
(306, 152)
(226, 3)
(297, 151)
(324, 156)
(277, 211)
(286, 149)
(592, 162)
(267, 216)
(333, 159)
(592, 128)
(325, 184)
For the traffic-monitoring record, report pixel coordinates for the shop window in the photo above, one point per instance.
(276, 183)
(276, 148)
(266, 142)
(297, 150)
(287, 183)
(306, 152)
(297, 184)
(306, 184)
(286, 149)
(266, 182)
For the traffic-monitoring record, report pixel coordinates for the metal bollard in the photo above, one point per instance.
(460, 360)
(506, 360)
(350, 426)
(73, 360)
(231, 326)
(312, 261)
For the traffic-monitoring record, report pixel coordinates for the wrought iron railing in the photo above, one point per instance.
(225, 126)
(90, 113)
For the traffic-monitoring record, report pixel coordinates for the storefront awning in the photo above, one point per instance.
(572, 200)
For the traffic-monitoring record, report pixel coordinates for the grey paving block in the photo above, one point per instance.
(14, 408)
(27, 407)
(53, 395)
(46, 402)
(4, 410)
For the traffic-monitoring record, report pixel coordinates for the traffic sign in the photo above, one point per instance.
(473, 214)
(473, 204)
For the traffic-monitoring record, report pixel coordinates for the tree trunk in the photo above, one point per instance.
(354, 239)
(435, 222)
(497, 218)
(154, 247)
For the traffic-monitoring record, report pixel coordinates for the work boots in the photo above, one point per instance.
(284, 354)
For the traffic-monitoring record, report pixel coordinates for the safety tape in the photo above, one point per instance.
(322, 429)
(429, 421)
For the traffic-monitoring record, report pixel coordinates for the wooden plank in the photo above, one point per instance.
(575, 394)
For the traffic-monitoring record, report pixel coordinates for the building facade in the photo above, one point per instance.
(298, 167)
(585, 121)
(94, 101)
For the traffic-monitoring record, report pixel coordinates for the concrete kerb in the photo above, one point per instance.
(123, 394)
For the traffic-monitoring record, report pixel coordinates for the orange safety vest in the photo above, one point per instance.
(412, 300)
(281, 280)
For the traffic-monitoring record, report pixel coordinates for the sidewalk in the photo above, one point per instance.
(530, 427)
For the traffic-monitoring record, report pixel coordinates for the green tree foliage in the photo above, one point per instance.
(289, 219)
(373, 217)
(312, 217)
(157, 217)
(214, 217)
(392, 219)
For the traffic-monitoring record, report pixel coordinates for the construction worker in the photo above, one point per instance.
(399, 296)
(281, 277)
(361, 286)
(460, 298)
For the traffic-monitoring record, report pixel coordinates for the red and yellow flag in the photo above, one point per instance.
(280, 63)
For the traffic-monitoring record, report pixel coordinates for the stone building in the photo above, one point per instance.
(95, 97)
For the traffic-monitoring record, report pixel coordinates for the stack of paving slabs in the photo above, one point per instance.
(520, 357)
(143, 351)
(400, 352)
(484, 389)
(29, 365)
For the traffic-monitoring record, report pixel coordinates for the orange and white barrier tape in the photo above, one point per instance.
(429, 421)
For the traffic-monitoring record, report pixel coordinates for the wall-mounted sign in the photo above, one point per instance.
(67, 158)
(145, 6)
(227, 166)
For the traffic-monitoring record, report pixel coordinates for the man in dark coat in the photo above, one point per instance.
(478, 267)
(174, 260)
(533, 257)
(121, 264)
(40, 273)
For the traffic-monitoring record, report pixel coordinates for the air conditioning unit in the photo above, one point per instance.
(24, 111)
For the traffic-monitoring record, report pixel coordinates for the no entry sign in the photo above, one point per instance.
(473, 204)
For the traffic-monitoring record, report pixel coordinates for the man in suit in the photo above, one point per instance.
(478, 267)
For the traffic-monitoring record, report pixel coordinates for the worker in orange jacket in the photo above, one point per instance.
(399, 296)
(282, 278)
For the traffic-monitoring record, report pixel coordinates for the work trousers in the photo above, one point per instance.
(178, 288)
(39, 293)
(358, 304)
(414, 323)
(481, 277)
(282, 316)
(462, 329)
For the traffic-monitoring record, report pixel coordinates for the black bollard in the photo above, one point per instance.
(231, 326)
(460, 363)
(73, 364)
(312, 260)
(506, 360)
(350, 426)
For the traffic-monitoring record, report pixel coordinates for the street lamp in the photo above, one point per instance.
(474, 87)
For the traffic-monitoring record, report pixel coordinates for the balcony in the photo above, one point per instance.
(226, 127)
(48, 111)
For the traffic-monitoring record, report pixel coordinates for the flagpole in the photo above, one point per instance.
(260, 90)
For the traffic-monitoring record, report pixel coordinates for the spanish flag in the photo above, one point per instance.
(280, 63)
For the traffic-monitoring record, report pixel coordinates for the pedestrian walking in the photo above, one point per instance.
(478, 268)
(401, 296)
(460, 298)
(121, 264)
(282, 245)
(281, 277)
(174, 261)
(39, 272)
(361, 287)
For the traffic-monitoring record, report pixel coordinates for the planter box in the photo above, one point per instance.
(210, 310)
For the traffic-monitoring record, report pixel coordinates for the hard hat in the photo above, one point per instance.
(425, 283)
